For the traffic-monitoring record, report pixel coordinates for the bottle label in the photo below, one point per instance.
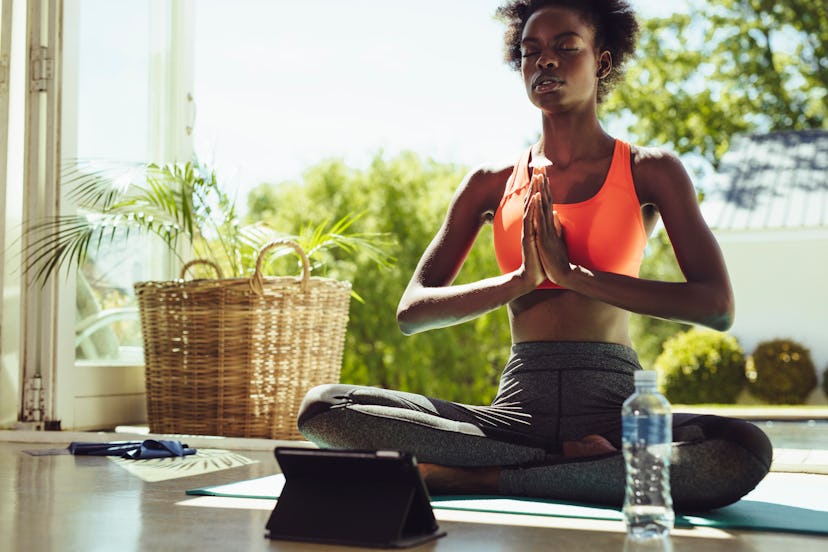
(654, 433)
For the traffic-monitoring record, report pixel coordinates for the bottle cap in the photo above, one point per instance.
(646, 377)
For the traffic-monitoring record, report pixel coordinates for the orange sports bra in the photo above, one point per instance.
(603, 233)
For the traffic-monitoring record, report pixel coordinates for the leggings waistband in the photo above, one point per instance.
(593, 354)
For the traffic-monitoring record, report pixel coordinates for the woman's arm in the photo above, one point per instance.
(430, 300)
(706, 297)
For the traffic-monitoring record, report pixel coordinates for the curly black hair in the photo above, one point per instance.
(614, 22)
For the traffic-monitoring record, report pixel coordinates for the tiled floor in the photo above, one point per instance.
(91, 503)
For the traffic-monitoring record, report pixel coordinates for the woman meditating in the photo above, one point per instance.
(571, 219)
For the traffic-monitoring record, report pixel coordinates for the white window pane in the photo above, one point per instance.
(109, 120)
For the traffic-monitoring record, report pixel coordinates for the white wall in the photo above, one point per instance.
(780, 280)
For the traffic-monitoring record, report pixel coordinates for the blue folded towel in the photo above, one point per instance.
(136, 450)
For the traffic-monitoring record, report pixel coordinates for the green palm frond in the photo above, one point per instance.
(315, 240)
(97, 185)
(120, 199)
(175, 202)
(66, 241)
(327, 236)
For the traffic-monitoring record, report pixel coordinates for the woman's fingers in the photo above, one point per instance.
(556, 222)
(529, 213)
(543, 231)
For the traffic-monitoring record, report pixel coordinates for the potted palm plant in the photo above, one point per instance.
(233, 351)
(182, 204)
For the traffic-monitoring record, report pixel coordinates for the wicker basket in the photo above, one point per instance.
(236, 356)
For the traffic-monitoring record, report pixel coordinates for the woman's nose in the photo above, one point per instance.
(546, 60)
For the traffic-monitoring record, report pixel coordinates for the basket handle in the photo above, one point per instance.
(257, 281)
(194, 262)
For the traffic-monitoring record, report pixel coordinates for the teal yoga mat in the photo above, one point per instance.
(788, 502)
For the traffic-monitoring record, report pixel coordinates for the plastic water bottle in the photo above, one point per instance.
(647, 434)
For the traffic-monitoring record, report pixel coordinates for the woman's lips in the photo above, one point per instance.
(547, 84)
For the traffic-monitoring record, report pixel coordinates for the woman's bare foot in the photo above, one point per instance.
(456, 480)
(591, 445)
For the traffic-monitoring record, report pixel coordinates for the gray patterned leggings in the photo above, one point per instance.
(549, 393)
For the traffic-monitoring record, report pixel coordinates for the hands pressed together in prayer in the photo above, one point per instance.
(545, 255)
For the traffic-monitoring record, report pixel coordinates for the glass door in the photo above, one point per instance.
(123, 70)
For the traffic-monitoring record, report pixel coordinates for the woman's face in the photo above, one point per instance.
(559, 63)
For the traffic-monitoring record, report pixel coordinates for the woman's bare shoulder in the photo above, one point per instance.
(492, 172)
(653, 159)
(484, 185)
(658, 171)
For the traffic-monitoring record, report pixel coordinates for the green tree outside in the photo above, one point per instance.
(728, 67)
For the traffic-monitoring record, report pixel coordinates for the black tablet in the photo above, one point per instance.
(357, 498)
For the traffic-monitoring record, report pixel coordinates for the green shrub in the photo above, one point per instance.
(701, 366)
(781, 371)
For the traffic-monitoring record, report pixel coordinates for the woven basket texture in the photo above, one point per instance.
(236, 356)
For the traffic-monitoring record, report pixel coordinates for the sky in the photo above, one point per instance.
(279, 86)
